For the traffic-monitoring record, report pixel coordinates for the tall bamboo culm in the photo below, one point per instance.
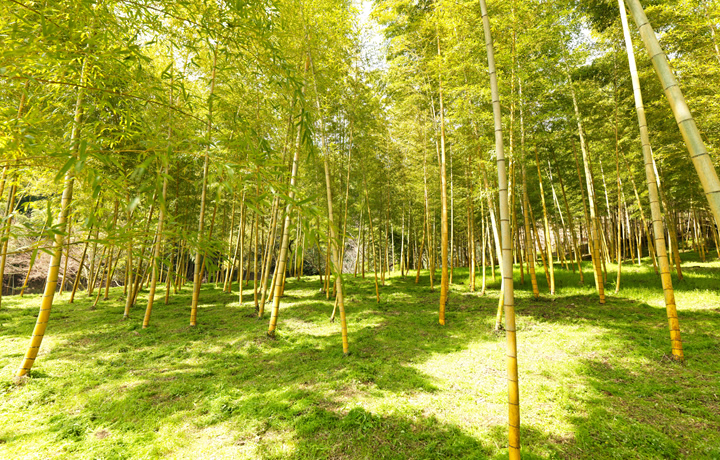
(661, 248)
(160, 225)
(507, 261)
(594, 228)
(54, 267)
(197, 281)
(690, 133)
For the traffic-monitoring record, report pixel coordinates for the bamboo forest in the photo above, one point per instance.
(359, 229)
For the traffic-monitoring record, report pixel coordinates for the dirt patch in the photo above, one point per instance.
(102, 434)
(21, 380)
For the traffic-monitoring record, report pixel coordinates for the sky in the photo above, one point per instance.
(373, 43)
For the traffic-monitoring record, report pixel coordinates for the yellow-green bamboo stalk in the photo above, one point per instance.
(199, 253)
(471, 224)
(539, 245)
(268, 255)
(243, 217)
(618, 244)
(284, 242)
(528, 238)
(372, 239)
(337, 261)
(110, 254)
(3, 180)
(512, 372)
(677, 349)
(234, 259)
(556, 201)
(337, 255)
(54, 267)
(493, 221)
(360, 255)
(158, 239)
(529, 247)
(5, 232)
(345, 213)
(108, 273)
(593, 221)
(68, 237)
(571, 224)
(29, 270)
(484, 231)
(255, 257)
(402, 244)
(169, 275)
(134, 282)
(97, 272)
(444, 277)
(546, 226)
(691, 135)
(76, 283)
(127, 279)
(218, 199)
(425, 225)
(230, 252)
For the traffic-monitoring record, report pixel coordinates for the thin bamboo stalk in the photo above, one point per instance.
(444, 277)
(546, 226)
(593, 226)
(199, 252)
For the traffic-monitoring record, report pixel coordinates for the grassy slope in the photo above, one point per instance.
(595, 381)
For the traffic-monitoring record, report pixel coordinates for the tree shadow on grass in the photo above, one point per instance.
(170, 388)
(641, 403)
(296, 390)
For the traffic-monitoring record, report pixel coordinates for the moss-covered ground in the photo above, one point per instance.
(596, 380)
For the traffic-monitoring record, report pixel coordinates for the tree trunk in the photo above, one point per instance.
(593, 227)
(199, 252)
(513, 387)
(161, 223)
(372, 239)
(51, 280)
(80, 265)
(444, 280)
(691, 135)
(677, 350)
(471, 224)
(546, 226)
(282, 258)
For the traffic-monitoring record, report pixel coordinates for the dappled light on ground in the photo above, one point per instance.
(596, 381)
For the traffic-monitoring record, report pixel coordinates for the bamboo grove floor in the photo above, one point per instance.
(595, 379)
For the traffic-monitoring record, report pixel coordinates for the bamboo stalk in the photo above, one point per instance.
(445, 278)
(199, 253)
(512, 372)
(53, 269)
(372, 239)
(160, 224)
(282, 258)
(82, 260)
(593, 227)
(546, 226)
(674, 325)
(690, 133)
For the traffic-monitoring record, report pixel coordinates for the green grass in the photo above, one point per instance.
(596, 382)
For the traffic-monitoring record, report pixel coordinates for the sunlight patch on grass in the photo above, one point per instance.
(595, 379)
